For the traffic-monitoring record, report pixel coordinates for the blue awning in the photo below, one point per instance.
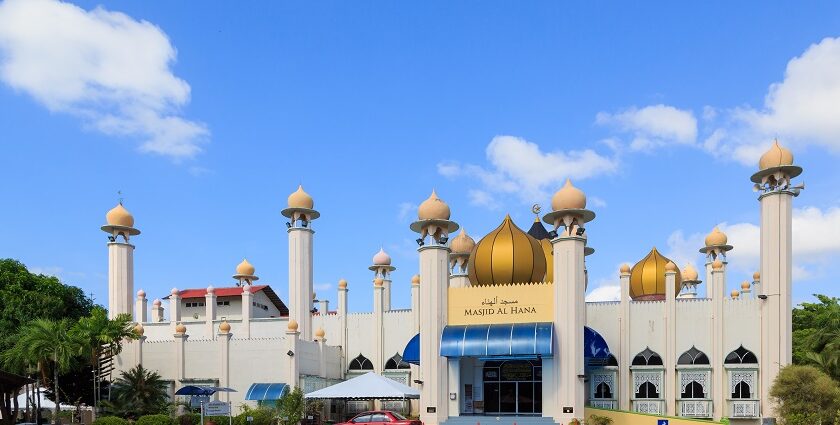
(266, 391)
(516, 339)
(594, 345)
(411, 353)
(197, 390)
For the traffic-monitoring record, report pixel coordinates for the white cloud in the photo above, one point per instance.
(405, 210)
(604, 293)
(48, 271)
(653, 126)
(106, 68)
(322, 287)
(517, 166)
(482, 198)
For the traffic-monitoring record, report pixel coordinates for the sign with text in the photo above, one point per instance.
(494, 304)
(662, 422)
(216, 408)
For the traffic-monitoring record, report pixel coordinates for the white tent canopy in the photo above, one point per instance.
(45, 402)
(369, 386)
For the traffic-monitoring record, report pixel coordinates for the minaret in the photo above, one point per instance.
(434, 228)
(624, 384)
(382, 269)
(342, 321)
(120, 228)
(378, 330)
(566, 375)
(717, 285)
(715, 249)
(245, 273)
(300, 213)
(776, 199)
(689, 282)
(141, 308)
(461, 246)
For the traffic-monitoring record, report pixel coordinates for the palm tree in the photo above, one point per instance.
(44, 341)
(137, 392)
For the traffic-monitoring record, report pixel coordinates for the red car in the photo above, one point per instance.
(381, 417)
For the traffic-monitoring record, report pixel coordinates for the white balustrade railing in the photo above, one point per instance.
(743, 408)
(602, 404)
(695, 408)
(655, 407)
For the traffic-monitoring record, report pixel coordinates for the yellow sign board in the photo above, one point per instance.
(492, 304)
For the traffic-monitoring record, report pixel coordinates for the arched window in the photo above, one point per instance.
(647, 358)
(396, 362)
(693, 390)
(647, 390)
(612, 361)
(742, 390)
(741, 356)
(692, 357)
(603, 390)
(360, 363)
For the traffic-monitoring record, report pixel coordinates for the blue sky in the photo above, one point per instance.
(207, 117)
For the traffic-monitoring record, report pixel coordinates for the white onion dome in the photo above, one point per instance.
(716, 238)
(433, 209)
(381, 258)
(342, 284)
(180, 328)
(776, 156)
(119, 216)
(174, 291)
(415, 280)
(568, 197)
(293, 325)
(224, 327)
(300, 199)
(245, 268)
(138, 329)
(462, 244)
(156, 302)
(141, 293)
(319, 333)
(211, 289)
(689, 273)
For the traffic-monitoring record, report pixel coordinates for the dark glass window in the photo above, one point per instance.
(396, 362)
(360, 363)
(742, 390)
(693, 390)
(693, 356)
(647, 358)
(647, 390)
(741, 356)
(603, 390)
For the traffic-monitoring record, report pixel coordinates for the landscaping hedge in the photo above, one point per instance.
(110, 420)
(154, 420)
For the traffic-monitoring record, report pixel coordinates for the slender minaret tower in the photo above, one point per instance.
(690, 280)
(120, 228)
(715, 249)
(461, 246)
(301, 214)
(717, 287)
(566, 375)
(776, 199)
(434, 228)
(382, 269)
(245, 273)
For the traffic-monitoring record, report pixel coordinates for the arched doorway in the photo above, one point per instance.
(513, 387)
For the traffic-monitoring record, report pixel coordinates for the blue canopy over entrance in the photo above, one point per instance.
(265, 391)
(411, 353)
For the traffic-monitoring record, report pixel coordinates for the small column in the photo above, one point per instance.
(715, 249)
(320, 338)
(246, 310)
(292, 339)
(382, 269)
(415, 302)
(625, 386)
(461, 247)
(180, 351)
(141, 308)
(454, 366)
(746, 292)
(718, 372)
(342, 321)
(690, 282)
(174, 308)
(301, 214)
(224, 337)
(210, 310)
(157, 311)
(756, 283)
(378, 325)
(670, 338)
(245, 277)
(138, 354)
(120, 229)
(324, 307)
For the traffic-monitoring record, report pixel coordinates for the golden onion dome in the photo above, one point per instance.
(462, 244)
(320, 332)
(378, 282)
(507, 255)
(717, 264)
(745, 286)
(433, 209)
(224, 327)
(716, 238)
(180, 329)
(245, 268)
(548, 252)
(689, 273)
(415, 280)
(119, 216)
(625, 268)
(647, 277)
(735, 294)
(342, 284)
(293, 325)
(138, 329)
(756, 276)
(777, 156)
(568, 197)
(300, 199)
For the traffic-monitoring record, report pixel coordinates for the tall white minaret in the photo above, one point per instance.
(382, 269)
(566, 371)
(120, 228)
(301, 214)
(715, 249)
(461, 246)
(776, 199)
(434, 228)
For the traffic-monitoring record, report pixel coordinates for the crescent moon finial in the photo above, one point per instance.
(536, 209)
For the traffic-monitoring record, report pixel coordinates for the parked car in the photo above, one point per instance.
(381, 417)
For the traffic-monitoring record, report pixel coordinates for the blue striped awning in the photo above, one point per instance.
(266, 391)
(411, 353)
(515, 339)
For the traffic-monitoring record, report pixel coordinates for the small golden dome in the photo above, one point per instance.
(319, 333)
(415, 280)
(735, 294)
(462, 244)
(625, 268)
(717, 265)
(300, 199)
(716, 238)
(293, 325)
(745, 286)
(245, 268)
(756, 276)
(342, 284)
(433, 209)
(507, 255)
(568, 197)
(670, 267)
(119, 216)
(647, 277)
(180, 328)
(138, 329)
(378, 281)
(224, 327)
(382, 258)
(689, 273)
(776, 156)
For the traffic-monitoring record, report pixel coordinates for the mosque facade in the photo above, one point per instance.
(496, 327)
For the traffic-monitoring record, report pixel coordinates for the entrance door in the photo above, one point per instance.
(513, 387)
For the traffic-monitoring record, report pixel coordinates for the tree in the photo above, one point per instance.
(816, 335)
(137, 392)
(804, 395)
(291, 407)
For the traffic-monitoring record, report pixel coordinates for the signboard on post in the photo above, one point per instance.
(662, 422)
(216, 408)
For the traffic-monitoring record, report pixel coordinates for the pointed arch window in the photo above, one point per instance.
(360, 363)
(741, 356)
(603, 390)
(647, 358)
(647, 390)
(396, 362)
(693, 357)
(612, 361)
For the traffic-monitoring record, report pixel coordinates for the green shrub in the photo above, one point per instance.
(218, 420)
(110, 420)
(262, 416)
(154, 420)
(188, 419)
(599, 420)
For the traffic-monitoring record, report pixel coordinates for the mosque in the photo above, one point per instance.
(496, 327)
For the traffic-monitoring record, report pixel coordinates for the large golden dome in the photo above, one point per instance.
(507, 255)
(647, 278)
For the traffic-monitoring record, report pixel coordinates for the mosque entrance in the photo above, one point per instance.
(513, 387)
